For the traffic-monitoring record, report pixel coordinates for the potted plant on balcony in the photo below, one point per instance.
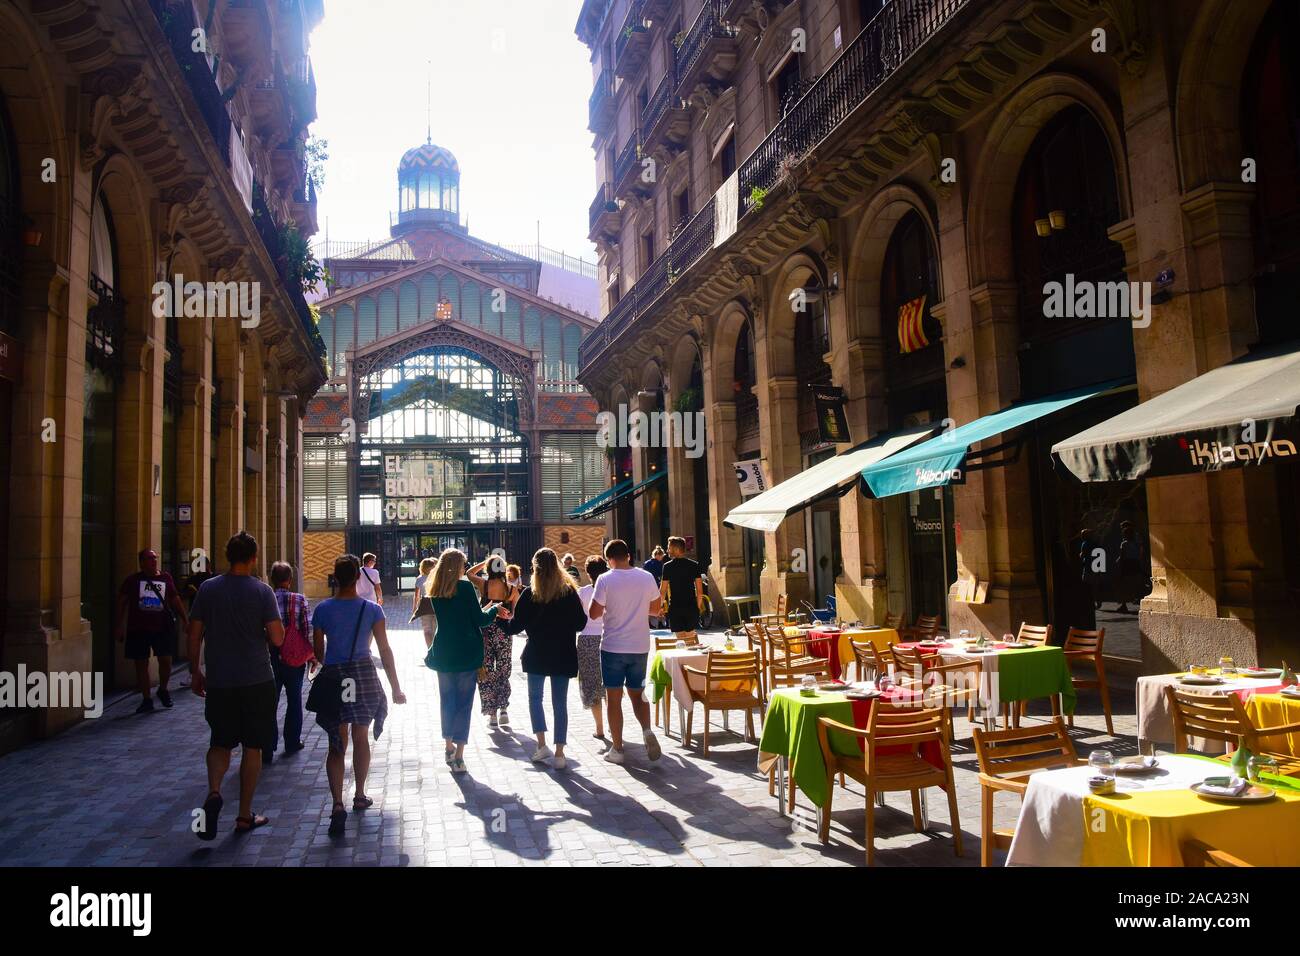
(755, 198)
(297, 262)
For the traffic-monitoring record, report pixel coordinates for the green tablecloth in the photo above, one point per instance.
(659, 677)
(1035, 672)
(790, 730)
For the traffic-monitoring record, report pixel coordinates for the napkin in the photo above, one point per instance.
(1235, 786)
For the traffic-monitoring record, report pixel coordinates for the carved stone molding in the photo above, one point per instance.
(1131, 19)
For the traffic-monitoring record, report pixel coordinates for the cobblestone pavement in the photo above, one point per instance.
(121, 790)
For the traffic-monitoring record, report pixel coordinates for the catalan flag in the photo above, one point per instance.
(911, 331)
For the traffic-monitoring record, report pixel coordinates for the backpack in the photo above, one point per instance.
(296, 649)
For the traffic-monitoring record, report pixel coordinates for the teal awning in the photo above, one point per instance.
(608, 499)
(942, 459)
(589, 507)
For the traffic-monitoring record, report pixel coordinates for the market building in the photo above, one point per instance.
(137, 161)
(452, 416)
(987, 235)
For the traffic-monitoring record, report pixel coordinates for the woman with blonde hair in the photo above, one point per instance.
(457, 651)
(550, 611)
(428, 621)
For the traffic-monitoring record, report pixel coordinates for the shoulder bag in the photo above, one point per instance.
(325, 699)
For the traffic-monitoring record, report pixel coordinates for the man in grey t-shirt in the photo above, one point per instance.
(237, 615)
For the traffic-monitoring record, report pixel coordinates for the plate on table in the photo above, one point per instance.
(977, 650)
(1197, 680)
(1136, 764)
(1016, 645)
(1252, 794)
(863, 694)
(1292, 691)
(1261, 672)
(832, 685)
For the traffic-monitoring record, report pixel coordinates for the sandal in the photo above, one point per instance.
(458, 766)
(211, 810)
(250, 823)
(338, 819)
(363, 803)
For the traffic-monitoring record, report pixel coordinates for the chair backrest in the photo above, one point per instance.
(893, 620)
(868, 655)
(1196, 853)
(1212, 717)
(913, 659)
(1084, 642)
(904, 726)
(1023, 749)
(1040, 634)
(927, 622)
(781, 607)
(733, 666)
(665, 643)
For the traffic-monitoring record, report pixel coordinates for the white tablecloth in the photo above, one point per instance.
(674, 660)
(1050, 830)
(1156, 719)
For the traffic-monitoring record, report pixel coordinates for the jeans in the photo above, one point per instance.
(456, 697)
(559, 704)
(289, 679)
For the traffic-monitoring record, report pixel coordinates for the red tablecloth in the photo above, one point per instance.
(896, 695)
(823, 642)
(1246, 692)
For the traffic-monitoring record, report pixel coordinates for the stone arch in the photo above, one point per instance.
(685, 353)
(1207, 98)
(778, 340)
(867, 255)
(1017, 123)
(134, 248)
(731, 323)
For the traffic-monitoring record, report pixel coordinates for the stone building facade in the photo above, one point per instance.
(141, 142)
(948, 160)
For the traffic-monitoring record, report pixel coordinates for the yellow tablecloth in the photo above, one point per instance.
(881, 637)
(1274, 710)
(1146, 829)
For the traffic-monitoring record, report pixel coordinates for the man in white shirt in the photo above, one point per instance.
(623, 599)
(368, 585)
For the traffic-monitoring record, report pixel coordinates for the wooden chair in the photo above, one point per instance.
(664, 705)
(1224, 718)
(891, 729)
(1037, 634)
(1196, 853)
(790, 660)
(665, 643)
(756, 636)
(926, 627)
(1007, 758)
(945, 685)
(725, 668)
(1084, 647)
(892, 620)
(870, 658)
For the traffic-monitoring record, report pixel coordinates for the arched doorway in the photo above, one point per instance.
(105, 330)
(744, 379)
(692, 403)
(919, 526)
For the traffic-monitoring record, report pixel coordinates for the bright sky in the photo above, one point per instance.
(510, 89)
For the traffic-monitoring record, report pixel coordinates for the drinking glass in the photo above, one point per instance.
(1226, 666)
(1103, 762)
(1260, 764)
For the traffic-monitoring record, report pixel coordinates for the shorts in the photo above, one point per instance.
(619, 670)
(140, 643)
(242, 716)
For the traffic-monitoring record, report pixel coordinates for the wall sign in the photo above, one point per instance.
(750, 475)
(832, 425)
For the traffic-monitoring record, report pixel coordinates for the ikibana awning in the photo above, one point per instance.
(766, 511)
(1238, 415)
(610, 499)
(943, 459)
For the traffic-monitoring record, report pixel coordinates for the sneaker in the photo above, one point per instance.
(492, 720)
(559, 762)
(146, 706)
(614, 756)
(503, 719)
(164, 696)
(652, 748)
(542, 753)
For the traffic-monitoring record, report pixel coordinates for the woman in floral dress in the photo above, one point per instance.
(591, 685)
(498, 647)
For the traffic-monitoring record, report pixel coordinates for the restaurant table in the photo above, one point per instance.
(1156, 719)
(1062, 824)
(737, 602)
(1275, 710)
(836, 644)
(790, 735)
(666, 675)
(1009, 675)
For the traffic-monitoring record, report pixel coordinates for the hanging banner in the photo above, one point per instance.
(831, 422)
(750, 475)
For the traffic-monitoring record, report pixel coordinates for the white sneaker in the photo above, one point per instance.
(492, 720)
(542, 753)
(614, 756)
(559, 762)
(504, 719)
(652, 748)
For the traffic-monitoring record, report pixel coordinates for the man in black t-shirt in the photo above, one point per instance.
(148, 608)
(682, 589)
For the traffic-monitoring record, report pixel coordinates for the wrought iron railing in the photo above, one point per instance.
(626, 160)
(633, 23)
(708, 25)
(105, 326)
(601, 97)
(600, 205)
(178, 24)
(657, 107)
(884, 44)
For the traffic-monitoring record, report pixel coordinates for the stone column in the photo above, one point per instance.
(229, 480)
(862, 591)
(255, 482)
(194, 457)
(778, 410)
(274, 470)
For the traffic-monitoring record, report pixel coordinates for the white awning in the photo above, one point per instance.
(766, 511)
